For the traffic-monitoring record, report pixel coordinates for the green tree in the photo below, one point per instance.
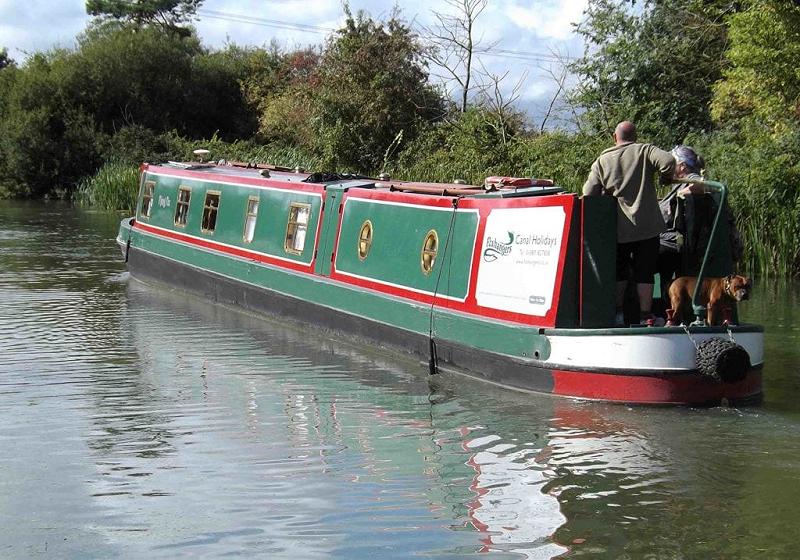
(373, 93)
(653, 62)
(757, 105)
(125, 76)
(763, 80)
(469, 146)
(170, 15)
(45, 143)
(117, 94)
(214, 102)
(7, 74)
(280, 86)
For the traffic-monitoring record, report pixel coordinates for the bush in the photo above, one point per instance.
(565, 158)
(472, 148)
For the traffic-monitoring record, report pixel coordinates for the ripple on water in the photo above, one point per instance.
(141, 423)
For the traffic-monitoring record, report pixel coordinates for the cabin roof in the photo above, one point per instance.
(494, 186)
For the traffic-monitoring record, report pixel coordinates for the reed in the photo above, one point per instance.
(770, 230)
(113, 187)
(762, 174)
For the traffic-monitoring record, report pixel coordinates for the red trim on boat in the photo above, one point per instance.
(227, 249)
(641, 389)
(403, 198)
(483, 206)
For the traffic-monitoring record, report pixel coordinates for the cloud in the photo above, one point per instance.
(249, 22)
(552, 19)
(29, 27)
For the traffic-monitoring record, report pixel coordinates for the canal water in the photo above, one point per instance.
(137, 422)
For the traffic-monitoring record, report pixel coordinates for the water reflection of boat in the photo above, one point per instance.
(511, 506)
(511, 282)
(349, 416)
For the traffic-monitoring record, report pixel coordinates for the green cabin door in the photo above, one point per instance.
(333, 198)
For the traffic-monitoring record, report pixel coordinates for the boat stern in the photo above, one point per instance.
(670, 365)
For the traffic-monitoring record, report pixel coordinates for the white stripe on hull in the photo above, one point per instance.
(662, 351)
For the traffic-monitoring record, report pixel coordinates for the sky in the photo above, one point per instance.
(520, 31)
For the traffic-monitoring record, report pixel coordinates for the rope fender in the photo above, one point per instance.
(722, 359)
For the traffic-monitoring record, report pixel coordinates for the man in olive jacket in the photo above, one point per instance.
(626, 171)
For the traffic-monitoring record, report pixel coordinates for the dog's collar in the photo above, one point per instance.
(728, 285)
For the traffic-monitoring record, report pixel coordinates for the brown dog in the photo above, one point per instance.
(715, 293)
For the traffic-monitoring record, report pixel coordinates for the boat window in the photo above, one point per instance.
(296, 228)
(147, 199)
(250, 217)
(182, 207)
(210, 208)
(429, 248)
(364, 240)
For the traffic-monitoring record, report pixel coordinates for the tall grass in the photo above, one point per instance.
(771, 233)
(114, 187)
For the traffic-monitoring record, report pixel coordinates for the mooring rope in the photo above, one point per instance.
(730, 333)
(689, 334)
(433, 365)
(727, 329)
(128, 242)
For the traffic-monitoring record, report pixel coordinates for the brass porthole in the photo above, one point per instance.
(429, 248)
(364, 240)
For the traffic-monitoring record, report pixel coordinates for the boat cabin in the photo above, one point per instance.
(519, 250)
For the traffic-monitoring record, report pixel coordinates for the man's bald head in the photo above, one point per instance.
(625, 132)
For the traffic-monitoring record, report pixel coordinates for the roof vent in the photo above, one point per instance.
(384, 177)
(264, 172)
(201, 154)
(459, 182)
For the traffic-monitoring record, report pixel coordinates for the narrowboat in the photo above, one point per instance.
(511, 282)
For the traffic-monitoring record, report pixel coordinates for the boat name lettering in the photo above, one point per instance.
(164, 201)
